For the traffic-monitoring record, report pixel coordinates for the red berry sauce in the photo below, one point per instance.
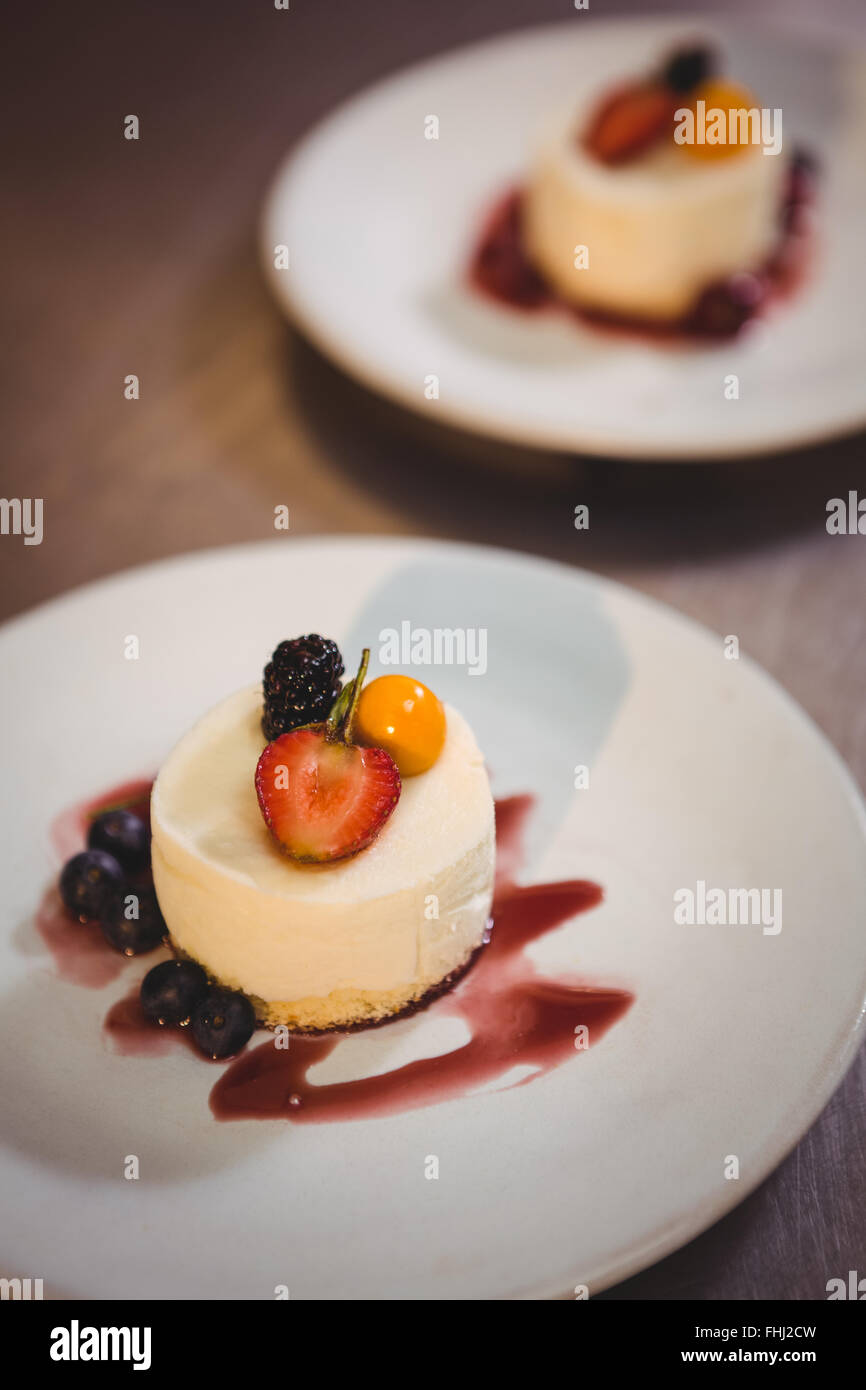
(516, 1017)
(129, 1033)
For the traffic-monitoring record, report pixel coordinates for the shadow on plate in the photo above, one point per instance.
(68, 1104)
(475, 489)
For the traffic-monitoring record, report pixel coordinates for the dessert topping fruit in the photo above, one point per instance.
(803, 177)
(122, 835)
(724, 307)
(800, 194)
(134, 924)
(109, 883)
(222, 1023)
(177, 994)
(323, 797)
(687, 67)
(91, 885)
(630, 121)
(712, 96)
(639, 115)
(500, 264)
(301, 683)
(171, 991)
(402, 716)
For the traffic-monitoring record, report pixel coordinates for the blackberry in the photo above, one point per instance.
(687, 67)
(301, 683)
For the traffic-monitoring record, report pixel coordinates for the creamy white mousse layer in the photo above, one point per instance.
(658, 230)
(317, 945)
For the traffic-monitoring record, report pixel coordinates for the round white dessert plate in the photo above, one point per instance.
(701, 771)
(379, 223)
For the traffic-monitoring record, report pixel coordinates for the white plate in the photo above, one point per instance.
(701, 768)
(380, 222)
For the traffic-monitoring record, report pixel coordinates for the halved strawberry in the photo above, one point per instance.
(323, 799)
(322, 796)
(630, 120)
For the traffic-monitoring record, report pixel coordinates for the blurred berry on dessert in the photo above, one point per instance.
(687, 67)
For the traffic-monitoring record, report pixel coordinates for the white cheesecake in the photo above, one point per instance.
(658, 230)
(329, 945)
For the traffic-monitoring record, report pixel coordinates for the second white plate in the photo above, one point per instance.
(379, 223)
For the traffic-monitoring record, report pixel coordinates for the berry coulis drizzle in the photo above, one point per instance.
(132, 1035)
(515, 1016)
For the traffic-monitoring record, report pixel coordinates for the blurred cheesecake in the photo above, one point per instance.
(663, 203)
(658, 229)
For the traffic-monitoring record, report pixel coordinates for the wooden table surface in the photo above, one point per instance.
(124, 257)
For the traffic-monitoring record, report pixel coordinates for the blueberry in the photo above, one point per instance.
(91, 884)
(724, 307)
(687, 67)
(124, 835)
(135, 925)
(802, 179)
(170, 991)
(223, 1022)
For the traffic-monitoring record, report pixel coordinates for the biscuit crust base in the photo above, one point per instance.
(345, 1010)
